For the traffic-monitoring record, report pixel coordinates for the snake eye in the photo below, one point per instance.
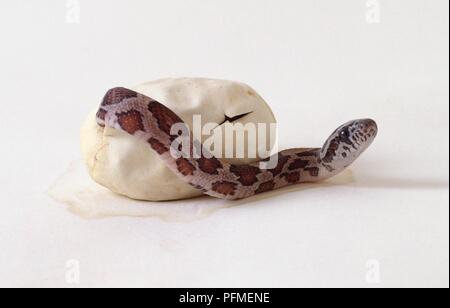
(345, 134)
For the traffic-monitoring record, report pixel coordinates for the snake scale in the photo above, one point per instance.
(148, 120)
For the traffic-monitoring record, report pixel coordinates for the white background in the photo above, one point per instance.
(317, 63)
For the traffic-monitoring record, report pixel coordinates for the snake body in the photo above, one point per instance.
(148, 120)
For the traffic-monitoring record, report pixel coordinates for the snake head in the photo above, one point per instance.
(348, 142)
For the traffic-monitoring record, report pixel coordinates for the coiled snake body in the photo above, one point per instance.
(145, 118)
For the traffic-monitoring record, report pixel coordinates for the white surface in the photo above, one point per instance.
(318, 63)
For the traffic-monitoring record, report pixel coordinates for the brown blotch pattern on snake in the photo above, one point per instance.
(164, 118)
(292, 178)
(185, 167)
(298, 164)
(201, 188)
(247, 175)
(225, 188)
(131, 121)
(328, 167)
(159, 147)
(331, 152)
(265, 187)
(117, 95)
(308, 153)
(209, 165)
(101, 114)
(282, 161)
(313, 171)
